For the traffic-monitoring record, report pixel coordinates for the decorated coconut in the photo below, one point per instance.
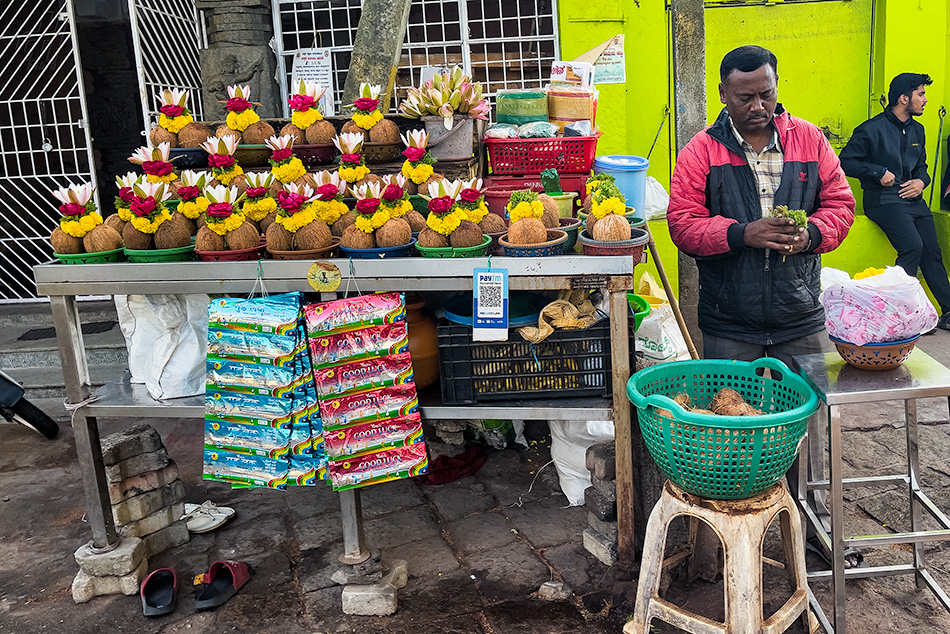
(593, 183)
(226, 228)
(353, 168)
(525, 212)
(444, 218)
(296, 227)
(156, 164)
(123, 215)
(394, 201)
(328, 205)
(284, 166)
(417, 168)
(259, 206)
(243, 119)
(81, 228)
(368, 120)
(221, 160)
(552, 213)
(606, 221)
(148, 213)
(306, 121)
(173, 118)
(192, 203)
(369, 218)
(395, 198)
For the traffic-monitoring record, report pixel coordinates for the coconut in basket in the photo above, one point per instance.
(526, 212)
(368, 120)
(242, 119)
(606, 221)
(226, 227)
(307, 124)
(394, 201)
(151, 225)
(444, 218)
(81, 228)
(369, 218)
(329, 206)
(296, 227)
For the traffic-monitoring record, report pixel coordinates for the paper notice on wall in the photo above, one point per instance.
(315, 64)
(608, 60)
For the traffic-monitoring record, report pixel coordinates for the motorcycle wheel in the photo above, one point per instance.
(28, 414)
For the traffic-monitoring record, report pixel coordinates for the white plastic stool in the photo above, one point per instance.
(741, 526)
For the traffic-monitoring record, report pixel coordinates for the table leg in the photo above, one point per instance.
(351, 514)
(836, 501)
(620, 362)
(913, 469)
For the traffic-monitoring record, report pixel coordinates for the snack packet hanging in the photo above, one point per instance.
(242, 469)
(251, 439)
(381, 466)
(368, 374)
(378, 341)
(371, 437)
(276, 314)
(365, 407)
(354, 313)
(252, 346)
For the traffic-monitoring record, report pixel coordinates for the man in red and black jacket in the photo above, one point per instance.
(758, 275)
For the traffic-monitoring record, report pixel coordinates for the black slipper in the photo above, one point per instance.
(159, 592)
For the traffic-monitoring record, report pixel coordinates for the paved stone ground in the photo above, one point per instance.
(477, 549)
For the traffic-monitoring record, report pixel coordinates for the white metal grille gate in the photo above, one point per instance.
(44, 138)
(166, 36)
(502, 43)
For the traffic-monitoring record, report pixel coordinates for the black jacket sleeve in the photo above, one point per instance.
(920, 170)
(854, 157)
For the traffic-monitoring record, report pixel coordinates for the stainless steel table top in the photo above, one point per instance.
(838, 383)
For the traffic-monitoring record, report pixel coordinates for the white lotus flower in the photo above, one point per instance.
(311, 89)
(415, 138)
(475, 183)
(367, 190)
(370, 91)
(130, 179)
(279, 142)
(158, 191)
(349, 142)
(173, 97)
(394, 179)
(221, 194)
(301, 190)
(326, 177)
(193, 178)
(225, 145)
(259, 179)
(449, 188)
(240, 92)
(148, 153)
(79, 194)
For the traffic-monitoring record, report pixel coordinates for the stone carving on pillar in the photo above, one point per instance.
(239, 32)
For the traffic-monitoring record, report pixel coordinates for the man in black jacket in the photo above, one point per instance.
(887, 154)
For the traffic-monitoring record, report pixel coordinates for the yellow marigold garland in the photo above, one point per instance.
(191, 209)
(592, 185)
(418, 174)
(475, 215)
(175, 124)
(150, 226)
(241, 120)
(329, 211)
(609, 206)
(353, 174)
(167, 178)
(125, 214)
(534, 209)
(257, 209)
(304, 120)
(367, 121)
(297, 220)
(398, 210)
(374, 222)
(228, 224)
(79, 227)
(290, 171)
(446, 224)
(226, 177)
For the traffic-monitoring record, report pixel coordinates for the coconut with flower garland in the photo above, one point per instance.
(149, 215)
(156, 164)
(122, 214)
(173, 118)
(369, 218)
(606, 221)
(285, 167)
(394, 201)
(296, 227)
(525, 212)
(242, 118)
(352, 163)
(369, 120)
(81, 229)
(221, 160)
(193, 202)
(226, 228)
(307, 124)
(395, 198)
(328, 205)
(259, 206)
(417, 168)
(444, 218)
(593, 183)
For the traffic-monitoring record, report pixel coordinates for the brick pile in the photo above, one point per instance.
(601, 535)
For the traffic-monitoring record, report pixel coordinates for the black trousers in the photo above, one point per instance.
(911, 231)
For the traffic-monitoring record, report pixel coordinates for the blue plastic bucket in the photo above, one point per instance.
(630, 173)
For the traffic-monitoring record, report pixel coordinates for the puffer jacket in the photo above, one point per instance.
(748, 294)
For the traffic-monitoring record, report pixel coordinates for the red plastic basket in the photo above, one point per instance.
(568, 155)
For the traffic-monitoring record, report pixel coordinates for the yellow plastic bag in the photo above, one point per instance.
(648, 286)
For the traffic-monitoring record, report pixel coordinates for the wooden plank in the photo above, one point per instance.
(620, 362)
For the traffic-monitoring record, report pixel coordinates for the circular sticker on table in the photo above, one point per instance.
(324, 277)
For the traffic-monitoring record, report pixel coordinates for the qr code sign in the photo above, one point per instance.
(489, 296)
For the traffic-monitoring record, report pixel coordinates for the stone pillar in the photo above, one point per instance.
(239, 34)
(377, 48)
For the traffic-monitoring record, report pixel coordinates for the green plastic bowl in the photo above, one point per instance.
(639, 306)
(101, 257)
(477, 251)
(180, 254)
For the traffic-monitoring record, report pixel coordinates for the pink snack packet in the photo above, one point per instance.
(354, 313)
(367, 374)
(378, 341)
(366, 407)
(396, 432)
(382, 466)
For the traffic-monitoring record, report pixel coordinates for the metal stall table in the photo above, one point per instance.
(62, 283)
(838, 384)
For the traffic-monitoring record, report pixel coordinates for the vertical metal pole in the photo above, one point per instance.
(835, 501)
(351, 514)
(913, 469)
(83, 109)
(689, 115)
(281, 59)
(623, 440)
(140, 66)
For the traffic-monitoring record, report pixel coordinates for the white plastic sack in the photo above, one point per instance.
(659, 337)
(569, 442)
(656, 200)
(167, 340)
(886, 307)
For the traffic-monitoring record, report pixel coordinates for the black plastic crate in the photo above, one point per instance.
(568, 363)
